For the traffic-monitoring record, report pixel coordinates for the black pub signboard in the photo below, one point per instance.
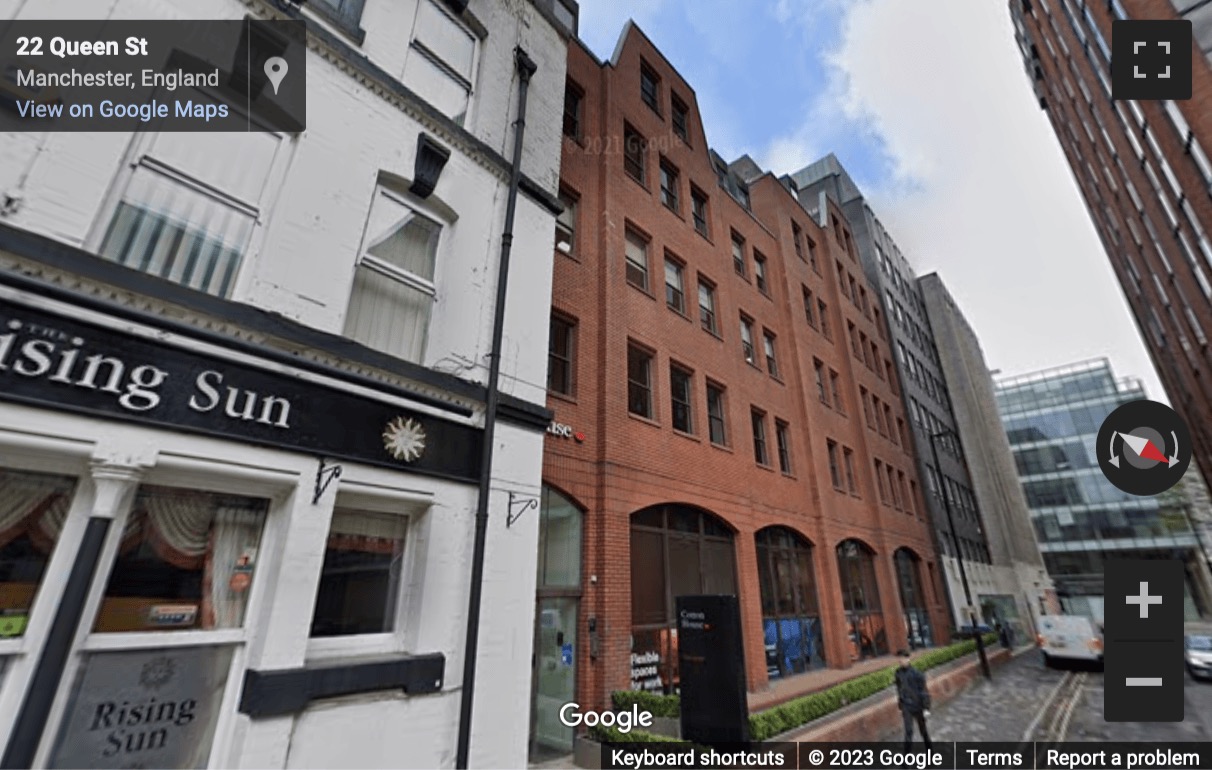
(50, 361)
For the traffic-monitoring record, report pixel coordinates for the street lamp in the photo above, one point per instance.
(959, 554)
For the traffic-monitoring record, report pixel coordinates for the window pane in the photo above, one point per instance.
(167, 229)
(33, 507)
(403, 238)
(435, 85)
(247, 159)
(187, 560)
(145, 708)
(388, 315)
(647, 578)
(446, 38)
(360, 580)
(560, 542)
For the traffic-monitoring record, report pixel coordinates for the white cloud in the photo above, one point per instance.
(978, 188)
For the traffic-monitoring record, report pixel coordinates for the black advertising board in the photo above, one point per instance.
(51, 361)
(711, 666)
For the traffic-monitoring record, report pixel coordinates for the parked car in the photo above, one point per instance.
(1198, 652)
(1070, 637)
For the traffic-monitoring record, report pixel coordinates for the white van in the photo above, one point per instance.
(1070, 637)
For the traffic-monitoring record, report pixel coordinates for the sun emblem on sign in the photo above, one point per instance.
(157, 672)
(404, 439)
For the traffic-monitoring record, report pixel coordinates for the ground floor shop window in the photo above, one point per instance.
(33, 508)
(360, 582)
(913, 599)
(791, 621)
(144, 708)
(186, 561)
(676, 551)
(861, 600)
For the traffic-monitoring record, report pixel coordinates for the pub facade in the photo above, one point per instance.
(243, 410)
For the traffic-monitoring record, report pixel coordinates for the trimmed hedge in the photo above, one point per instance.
(788, 716)
(614, 735)
(801, 711)
(657, 705)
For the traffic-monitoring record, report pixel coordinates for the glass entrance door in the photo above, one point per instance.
(557, 607)
(555, 678)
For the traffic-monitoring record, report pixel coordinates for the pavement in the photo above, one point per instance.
(1025, 701)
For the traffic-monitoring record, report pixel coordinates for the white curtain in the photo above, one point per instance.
(50, 524)
(237, 533)
(182, 524)
(22, 493)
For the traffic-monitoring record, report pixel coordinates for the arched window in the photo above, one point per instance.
(861, 600)
(791, 621)
(913, 598)
(676, 551)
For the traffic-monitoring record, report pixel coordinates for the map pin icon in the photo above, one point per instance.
(275, 70)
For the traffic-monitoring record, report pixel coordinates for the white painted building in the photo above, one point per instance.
(197, 330)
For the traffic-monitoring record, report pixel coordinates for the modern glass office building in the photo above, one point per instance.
(1052, 418)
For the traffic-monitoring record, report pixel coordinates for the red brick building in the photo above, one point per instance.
(726, 415)
(1144, 169)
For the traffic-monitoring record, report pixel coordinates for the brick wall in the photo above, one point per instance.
(627, 463)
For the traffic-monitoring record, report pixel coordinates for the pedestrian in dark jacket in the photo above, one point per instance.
(914, 699)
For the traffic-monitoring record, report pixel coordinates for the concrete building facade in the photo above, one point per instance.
(1018, 566)
(1051, 419)
(242, 504)
(923, 385)
(1144, 172)
(709, 429)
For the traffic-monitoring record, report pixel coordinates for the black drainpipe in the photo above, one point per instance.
(525, 67)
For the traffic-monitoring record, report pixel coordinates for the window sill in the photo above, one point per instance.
(687, 436)
(637, 180)
(778, 379)
(568, 254)
(673, 211)
(645, 420)
(764, 466)
(712, 332)
(134, 640)
(679, 313)
(565, 397)
(754, 366)
(722, 447)
(355, 645)
(704, 236)
(643, 291)
(788, 475)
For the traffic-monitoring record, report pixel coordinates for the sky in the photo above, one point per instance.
(928, 107)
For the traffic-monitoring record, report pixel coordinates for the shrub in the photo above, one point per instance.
(788, 716)
(657, 705)
(614, 735)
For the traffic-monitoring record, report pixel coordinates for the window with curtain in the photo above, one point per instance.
(394, 292)
(360, 580)
(184, 217)
(33, 507)
(187, 560)
(441, 60)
